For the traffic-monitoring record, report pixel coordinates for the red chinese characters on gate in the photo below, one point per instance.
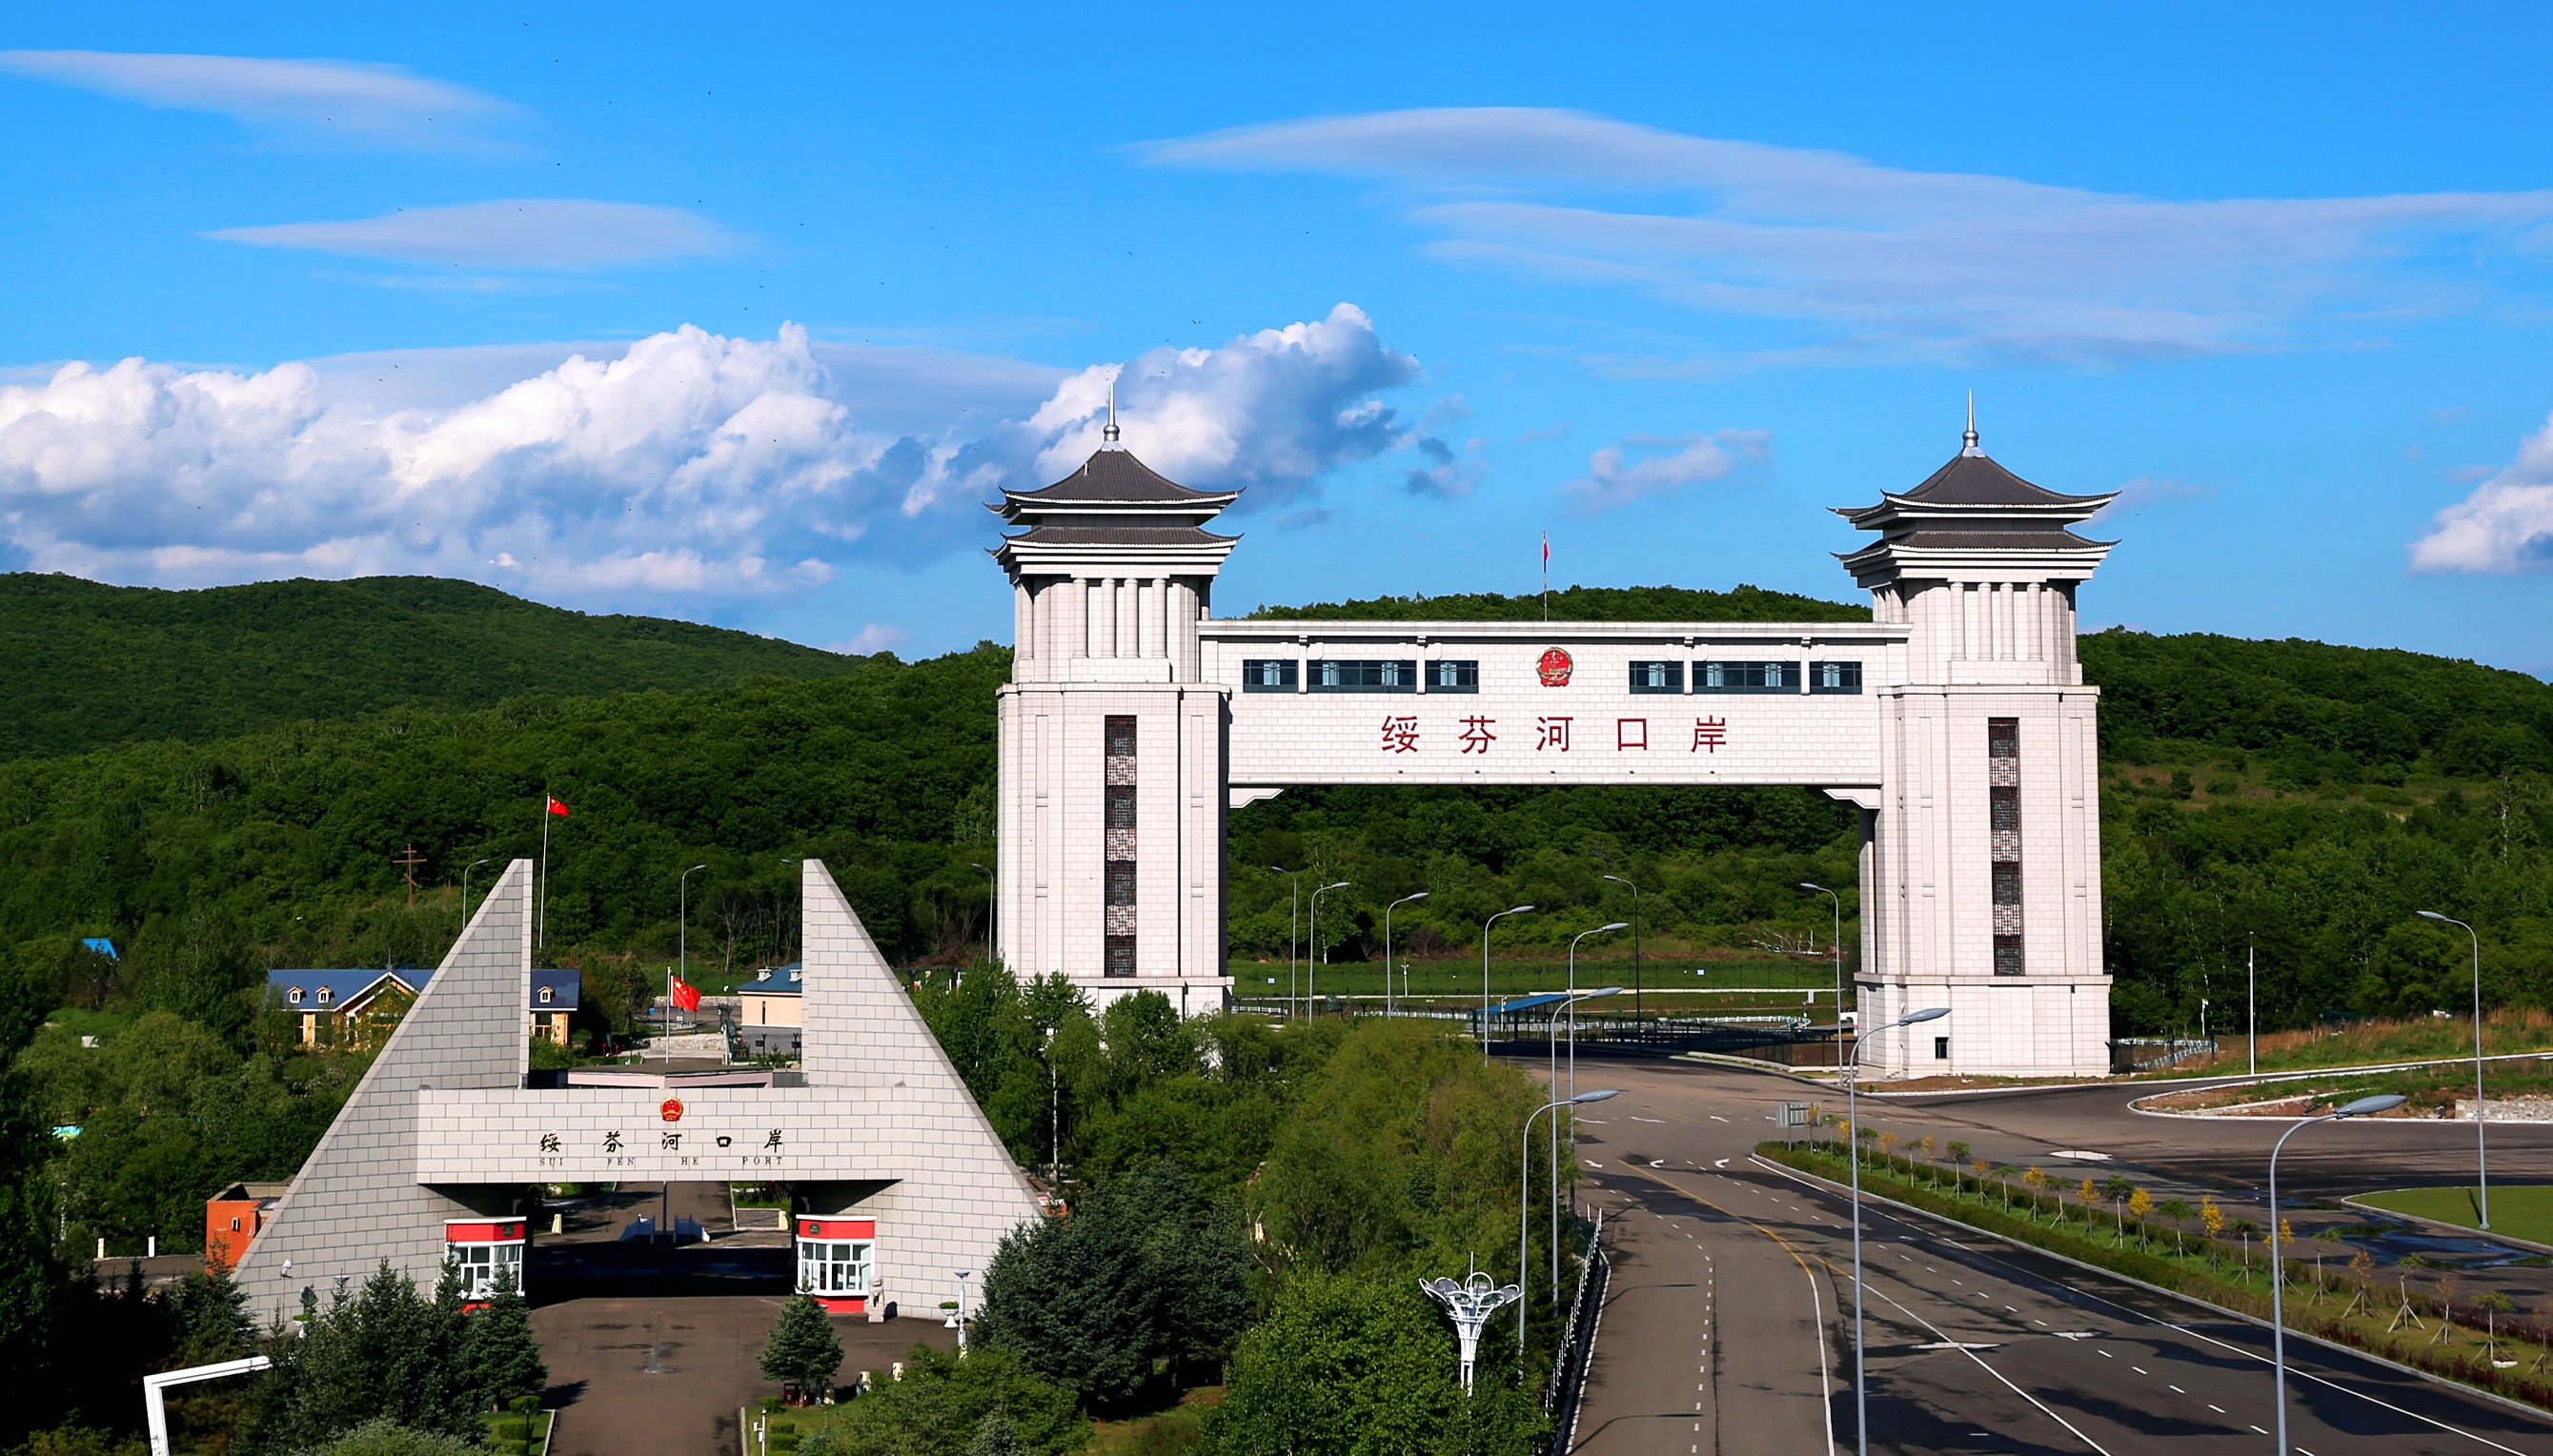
(1400, 734)
(1709, 734)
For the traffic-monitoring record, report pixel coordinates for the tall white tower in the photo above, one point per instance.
(1112, 750)
(1981, 865)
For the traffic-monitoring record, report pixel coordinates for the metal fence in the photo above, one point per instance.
(1576, 1342)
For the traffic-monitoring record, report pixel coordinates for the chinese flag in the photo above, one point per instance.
(686, 995)
(556, 806)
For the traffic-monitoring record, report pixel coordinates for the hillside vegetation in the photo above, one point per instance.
(2244, 801)
(84, 665)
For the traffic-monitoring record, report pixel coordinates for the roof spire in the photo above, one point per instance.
(1969, 441)
(1110, 434)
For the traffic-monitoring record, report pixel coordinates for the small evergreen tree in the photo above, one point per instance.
(995, 1436)
(500, 1356)
(803, 1346)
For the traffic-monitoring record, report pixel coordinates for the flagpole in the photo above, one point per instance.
(541, 936)
(1546, 576)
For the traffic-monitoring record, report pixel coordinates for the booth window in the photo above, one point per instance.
(1747, 677)
(1451, 675)
(480, 1264)
(1657, 677)
(1268, 674)
(1364, 675)
(829, 1267)
(1834, 676)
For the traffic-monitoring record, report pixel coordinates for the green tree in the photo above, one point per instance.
(996, 1437)
(941, 1404)
(387, 1437)
(803, 1346)
(382, 1354)
(1141, 1270)
(500, 1356)
(1352, 1367)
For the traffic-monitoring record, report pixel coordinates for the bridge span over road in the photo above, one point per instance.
(1728, 1326)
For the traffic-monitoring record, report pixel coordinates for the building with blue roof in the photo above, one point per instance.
(358, 1008)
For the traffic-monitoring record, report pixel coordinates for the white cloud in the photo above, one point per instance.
(2505, 525)
(873, 638)
(685, 466)
(515, 231)
(1659, 464)
(339, 101)
(1877, 263)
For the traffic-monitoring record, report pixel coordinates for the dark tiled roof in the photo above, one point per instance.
(1114, 475)
(1126, 535)
(564, 987)
(1975, 480)
(778, 981)
(342, 985)
(1993, 540)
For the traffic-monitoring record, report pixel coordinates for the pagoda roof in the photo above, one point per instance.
(1113, 478)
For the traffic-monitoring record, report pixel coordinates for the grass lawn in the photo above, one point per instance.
(2519, 1210)
(505, 1428)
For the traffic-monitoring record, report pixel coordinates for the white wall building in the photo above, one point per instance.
(1956, 720)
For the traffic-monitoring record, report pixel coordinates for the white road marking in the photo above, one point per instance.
(1716, 1117)
(1722, 1162)
(2212, 1405)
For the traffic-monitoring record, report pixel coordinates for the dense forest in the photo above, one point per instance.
(84, 665)
(2293, 797)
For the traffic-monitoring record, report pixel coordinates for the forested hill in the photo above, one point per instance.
(1586, 604)
(84, 665)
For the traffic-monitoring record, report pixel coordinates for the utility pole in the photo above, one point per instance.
(410, 859)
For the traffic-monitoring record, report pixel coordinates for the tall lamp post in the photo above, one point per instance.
(992, 907)
(1838, 945)
(2363, 1107)
(1551, 1030)
(1524, 1181)
(682, 939)
(1293, 927)
(465, 890)
(959, 1318)
(2252, 999)
(1853, 1154)
(1311, 977)
(1573, 1000)
(2482, 1109)
(1387, 948)
(1635, 942)
(1484, 974)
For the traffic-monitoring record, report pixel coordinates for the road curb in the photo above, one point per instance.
(2460, 1228)
(1868, 1196)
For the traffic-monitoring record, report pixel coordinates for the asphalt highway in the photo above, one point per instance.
(1728, 1328)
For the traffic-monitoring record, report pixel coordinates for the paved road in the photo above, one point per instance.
(1728, 1328)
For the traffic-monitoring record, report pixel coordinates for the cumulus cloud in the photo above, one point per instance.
(1881, 262)
(2505, 525)
(516, 232)
(873, 638)
(686, 465)
(341, 101)
(1657, 465)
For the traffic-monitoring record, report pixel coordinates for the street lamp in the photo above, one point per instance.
(1387, 948)
(1311, 977)
(1572, 997)
(1293, 926)
(682, 940)
(1852, 1153)
(464, 891)
(1524, 1182)
(992, 904)
(2363, 1107)
(2252, 1001)
(1484, 973)
(1838, 945)
(2482, 1109)
(960, 1319)
(1470, 1304)
(1635, 942)
(1551, 1032)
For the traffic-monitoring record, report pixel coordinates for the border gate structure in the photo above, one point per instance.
(1955, 720)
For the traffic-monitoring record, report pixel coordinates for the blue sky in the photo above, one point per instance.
(735, 317)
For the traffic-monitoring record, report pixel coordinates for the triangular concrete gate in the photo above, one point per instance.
(442, 1126)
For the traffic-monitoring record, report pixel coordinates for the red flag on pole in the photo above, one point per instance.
(686, 995)
(556, 806)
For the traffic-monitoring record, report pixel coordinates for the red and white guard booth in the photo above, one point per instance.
(484, 1248)
(837, 1258)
